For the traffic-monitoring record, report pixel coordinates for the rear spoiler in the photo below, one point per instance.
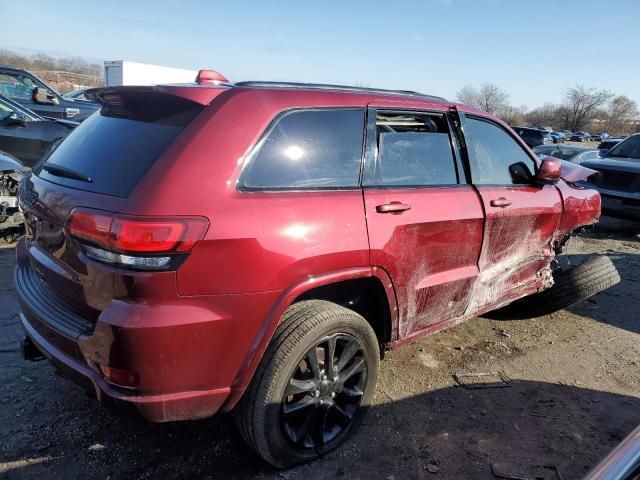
(202, 95)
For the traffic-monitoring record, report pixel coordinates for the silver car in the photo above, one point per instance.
(619, 179)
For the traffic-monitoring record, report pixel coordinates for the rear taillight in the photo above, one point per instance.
(143, 243)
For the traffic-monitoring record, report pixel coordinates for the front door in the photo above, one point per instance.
(424, 221)
(521, 217)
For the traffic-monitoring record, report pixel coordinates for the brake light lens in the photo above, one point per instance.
(92, 227)
(150, 235)
(147, 243)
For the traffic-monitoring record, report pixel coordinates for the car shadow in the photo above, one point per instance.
(616, 306)
(614, 228)
(526, 429)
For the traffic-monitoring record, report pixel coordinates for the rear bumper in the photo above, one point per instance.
(153, 408)
(187, 352)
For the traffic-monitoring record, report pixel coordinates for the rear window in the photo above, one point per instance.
(117, 145)
(526, 132)
(630, 148)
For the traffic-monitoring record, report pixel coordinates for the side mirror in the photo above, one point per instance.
(14, 120)
(44, 97)
(549, 171)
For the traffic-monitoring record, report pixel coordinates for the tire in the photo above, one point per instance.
(595, 274)
(267, 417)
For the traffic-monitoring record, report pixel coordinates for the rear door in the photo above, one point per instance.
(521, 217)
(424, 221)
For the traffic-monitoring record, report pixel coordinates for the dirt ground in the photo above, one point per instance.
(573, 393)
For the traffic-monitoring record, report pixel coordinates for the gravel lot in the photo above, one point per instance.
(573, 393)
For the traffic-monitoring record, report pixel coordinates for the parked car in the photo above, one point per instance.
(26, 135)
(580, 137)
(77, 95)
(596, 137)
(177, 265)
(11, 173)
(571, 153)
(33, 93)
(619, 179)
(558, 137)
(533, 136)
(608, 144)
(622, 463)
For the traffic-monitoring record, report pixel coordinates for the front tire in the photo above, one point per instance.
(313, 386)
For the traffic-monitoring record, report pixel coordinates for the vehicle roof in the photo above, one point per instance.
(533, 129)
(335, 88)
(204, 94)
(576, 148)
(15, 69)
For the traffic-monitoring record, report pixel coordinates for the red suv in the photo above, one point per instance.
(200, 248)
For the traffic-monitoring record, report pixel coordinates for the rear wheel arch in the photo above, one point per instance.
(365, 296)
(317, 287)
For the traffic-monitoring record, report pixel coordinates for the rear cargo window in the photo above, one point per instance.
(309, 149)
(117, 145)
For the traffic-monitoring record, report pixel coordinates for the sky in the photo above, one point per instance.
(532, 50)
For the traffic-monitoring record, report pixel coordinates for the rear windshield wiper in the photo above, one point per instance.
(65, 172)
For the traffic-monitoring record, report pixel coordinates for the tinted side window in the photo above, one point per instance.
(495, 157)
(589, 156)
(16, 86)
(5, 110)
(628, 148)
(309, 149)
(414, 149)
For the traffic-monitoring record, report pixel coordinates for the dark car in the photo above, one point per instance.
(595, 137)
(608, 144)
(176, 265)
(619, 179)
(558, 137)
(32, 92)
(77, 95)
(580, 137)
(534, 136)
(26, 135)
(571, 153)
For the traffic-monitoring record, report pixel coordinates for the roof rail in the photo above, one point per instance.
(341, 88)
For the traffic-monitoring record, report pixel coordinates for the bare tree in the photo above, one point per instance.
(544, 116)
(581, 106)
(468, 95)
(513, 115)
(489, 97)
(620, 115)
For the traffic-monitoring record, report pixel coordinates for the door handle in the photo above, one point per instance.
(500, 202)
(393, 207)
